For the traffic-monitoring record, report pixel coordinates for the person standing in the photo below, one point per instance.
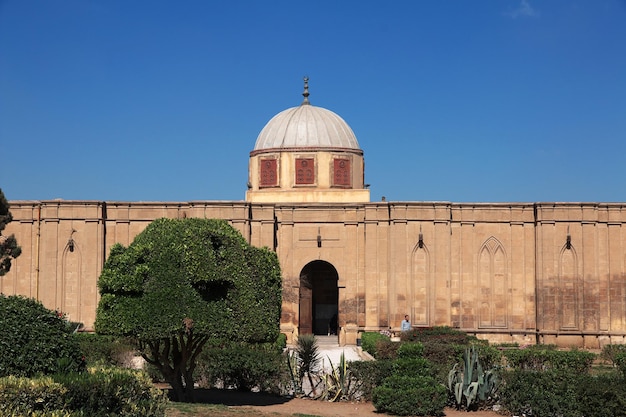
(406, 324)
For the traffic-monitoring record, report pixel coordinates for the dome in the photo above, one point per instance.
(306, 126)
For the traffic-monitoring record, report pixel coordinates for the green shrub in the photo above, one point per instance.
(243, 367)
(34, 340)
(539, 359)
(410, 350)
(410, 396)
(370, 374)
(412, 367)
(109, 392)
(620, 361)
(610, 351)
(602, 395)
(369, 340)
(541, 393)
(443, 334)
(386, 349)
(98, 393)
(442, 356)
(21, 396)
(105, 350)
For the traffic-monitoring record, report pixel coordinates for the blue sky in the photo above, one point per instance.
(462, 101)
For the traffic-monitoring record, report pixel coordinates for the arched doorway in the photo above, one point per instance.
(319, 299)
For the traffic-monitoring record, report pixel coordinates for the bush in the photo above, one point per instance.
(410, 396)
(369, 340)
(370, 374)
(21, 396)
(98, 393)
(410, 350)
(113, 392)
(602, 395)
(105, 350)
(35, 340)
(412, 367)
(610, 351)
(620, 362)
(442, 334)
(243, 367)
(539, 358)
(386, 349)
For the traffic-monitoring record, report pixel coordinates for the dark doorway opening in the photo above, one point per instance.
(319, 299)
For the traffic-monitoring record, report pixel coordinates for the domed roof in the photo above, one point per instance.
(306, 126)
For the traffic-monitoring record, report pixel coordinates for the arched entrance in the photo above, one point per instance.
(319, 299)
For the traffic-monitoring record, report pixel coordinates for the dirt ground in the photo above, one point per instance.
(262, 404)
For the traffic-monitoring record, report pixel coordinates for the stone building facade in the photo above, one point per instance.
(525, 272)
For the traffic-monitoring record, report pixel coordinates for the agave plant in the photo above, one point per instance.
(339, 384)
(470, 381)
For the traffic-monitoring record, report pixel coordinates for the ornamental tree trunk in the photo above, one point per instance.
(176, 358)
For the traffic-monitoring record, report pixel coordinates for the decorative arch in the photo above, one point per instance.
(492, 285)
(71, 282)
(319, 299)
(420, 284)
(568, 288)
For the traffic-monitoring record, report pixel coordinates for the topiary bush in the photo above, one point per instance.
(35, 340)
(410, 396)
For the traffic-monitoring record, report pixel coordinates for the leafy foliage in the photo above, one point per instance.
(98, 393)
(8, 244)
(369, 340)
(410, 396)
(105, 350)
(242, 366)
(339, 384)
(183, 282)
(543, 358)
(109, 391)
(309, 358)
(35, 340)
(444, 334)
(370, 375)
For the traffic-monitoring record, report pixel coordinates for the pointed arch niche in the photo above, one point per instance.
(492, 285)
(421, 285)
(568, 288)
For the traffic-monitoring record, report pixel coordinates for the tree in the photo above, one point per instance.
(183, 282)
(8, 245)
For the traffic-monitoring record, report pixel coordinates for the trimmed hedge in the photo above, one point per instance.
(563, 392)
(35, 340)
(540, 358)
(410, 396)
(370, 374)
(369, 340)
(243, 367)
(99, 393)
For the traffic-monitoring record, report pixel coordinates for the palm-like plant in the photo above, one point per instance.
(308, 358)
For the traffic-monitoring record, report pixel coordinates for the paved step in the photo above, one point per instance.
(327, 341)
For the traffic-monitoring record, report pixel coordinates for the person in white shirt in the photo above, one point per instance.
(406, 324)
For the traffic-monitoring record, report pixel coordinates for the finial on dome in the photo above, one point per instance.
(306, 90)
